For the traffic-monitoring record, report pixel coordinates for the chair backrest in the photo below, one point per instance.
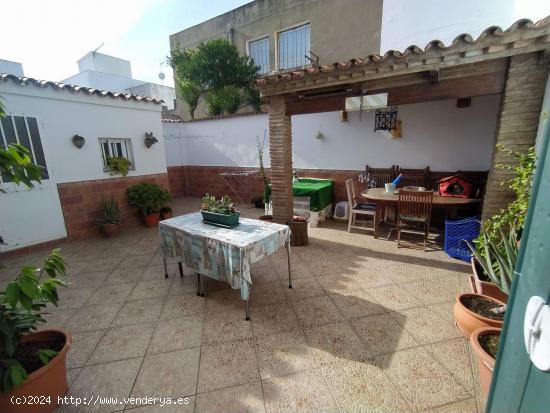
(415, 203)
(351, 192)
(415, 177)
(381, 176)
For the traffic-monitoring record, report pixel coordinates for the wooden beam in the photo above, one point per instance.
(328, 104)
(471, 86)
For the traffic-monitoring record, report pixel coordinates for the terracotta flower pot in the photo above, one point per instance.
(151, 220)
(485, 287)
(486, 362)
(467, 321)
(48, 381)
(110, 230)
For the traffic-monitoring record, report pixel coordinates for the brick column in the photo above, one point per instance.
(280, 153)
(517, 123)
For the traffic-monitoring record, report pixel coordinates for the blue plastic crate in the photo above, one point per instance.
(457, 234)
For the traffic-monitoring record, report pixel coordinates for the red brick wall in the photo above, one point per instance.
(80, 202)
(197, 180)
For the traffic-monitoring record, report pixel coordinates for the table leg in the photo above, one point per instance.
(198, 284)
(204, 283)
(377, 215)
(165, 268)
(287, 246)
(180, 266)
(246, 310)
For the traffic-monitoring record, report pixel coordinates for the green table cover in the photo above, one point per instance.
(320, 192)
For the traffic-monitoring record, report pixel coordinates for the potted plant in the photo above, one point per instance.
(148, 199)
(118, 165)
(32, 363)
(166, 212)
(497, 258)
(484, 342)
(219, 212)
(110, 220)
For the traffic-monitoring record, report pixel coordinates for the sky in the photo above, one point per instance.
(49, 36)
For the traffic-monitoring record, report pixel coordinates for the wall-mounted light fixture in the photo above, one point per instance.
(149, 140)
(78, 141)
(385, 118)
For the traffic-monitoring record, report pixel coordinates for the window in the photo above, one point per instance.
(23, 130)
(258, 51)
(113, 148)
(293, 47)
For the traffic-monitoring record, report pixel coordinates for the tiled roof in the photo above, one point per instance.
(523, 36)
(58, 86)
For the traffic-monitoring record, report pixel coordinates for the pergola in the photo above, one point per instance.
(513, 63)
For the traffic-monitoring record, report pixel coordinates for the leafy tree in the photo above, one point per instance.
(218, 73)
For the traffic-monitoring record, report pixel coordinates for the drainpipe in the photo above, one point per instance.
(229, 31)
(544, 118)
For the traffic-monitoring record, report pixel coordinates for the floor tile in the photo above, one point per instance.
(150, 289)
(82, 346)
(109, 294)
(267, 293)
(122, 343)
(425, 325)
(283, 353)
(317, 311)
(394, 297)
(139, 311)
(227, 364)
(247, 398)
(172, 374)
(383, 334)
(335, 343)
(454, 355)
(104, 380)
(92, 318)
(435, 291)
(273, 318)
(363, 387)
(73, 298)
(221, 330)
(183, 306)
(87, 280)
(304, 288)
(358, 303)
(177, 405)
(183, 285)
(421, 380)
(464, 406)
(139, 261)
(338, 283)
(305, 392)
(124, 275)
(176, 334)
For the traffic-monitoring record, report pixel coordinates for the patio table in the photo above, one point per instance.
(382, 199)
(224, 254)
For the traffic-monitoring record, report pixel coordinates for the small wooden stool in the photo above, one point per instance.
(298, 232)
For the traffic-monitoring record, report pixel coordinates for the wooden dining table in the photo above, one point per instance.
(383, 199)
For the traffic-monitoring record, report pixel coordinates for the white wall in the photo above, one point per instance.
(34, 216)
(435, 134)
(100, 62)
(12, 68)
(166, 93)
(406, 22)
(102, 81)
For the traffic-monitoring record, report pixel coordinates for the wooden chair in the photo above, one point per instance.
(356, 208)
(381, 176)
(414, 207)
(415, 177)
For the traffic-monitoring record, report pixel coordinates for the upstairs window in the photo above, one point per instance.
(115, 147)
(258, 51)
(293, 47)
(24, 131)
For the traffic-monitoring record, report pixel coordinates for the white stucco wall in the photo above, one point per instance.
(406, 22)
(33, 216)
(435, 134)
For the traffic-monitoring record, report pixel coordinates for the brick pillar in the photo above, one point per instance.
(280, 153)
(517, 123)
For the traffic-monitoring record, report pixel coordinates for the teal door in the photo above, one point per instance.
(518, 386)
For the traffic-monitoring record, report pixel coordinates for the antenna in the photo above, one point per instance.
(98, 47)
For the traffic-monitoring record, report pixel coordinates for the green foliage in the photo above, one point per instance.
(265, 179)
(521, 184)
(147, 198)
(21, 311)
(222, 206)
(216, 71)
(498, 257)
(118, 165)
(16, 165)
(110, 211)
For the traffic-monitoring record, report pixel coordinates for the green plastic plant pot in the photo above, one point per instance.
(222, 220)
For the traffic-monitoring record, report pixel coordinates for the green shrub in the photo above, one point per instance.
(222, 206)
(110, 211)
(118, 165)
(147, 198)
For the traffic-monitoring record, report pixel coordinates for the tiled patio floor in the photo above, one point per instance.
(366, 328)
